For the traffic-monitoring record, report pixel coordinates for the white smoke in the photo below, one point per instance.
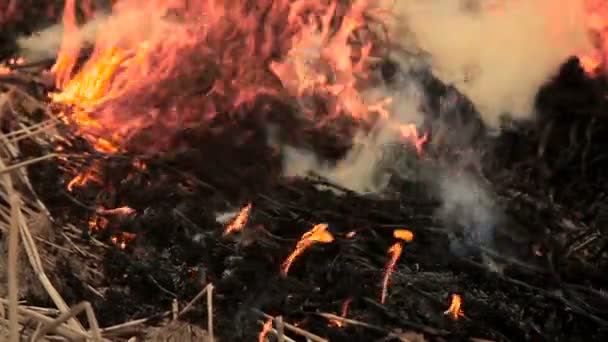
(496, 52)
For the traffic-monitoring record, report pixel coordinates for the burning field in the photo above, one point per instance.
(304, 170)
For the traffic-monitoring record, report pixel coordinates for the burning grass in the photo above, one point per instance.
(154, 160)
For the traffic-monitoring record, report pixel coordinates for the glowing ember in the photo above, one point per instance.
(403, 234)
(410, 132)
(123, 239)
(318, 233)
(395, 252)
(265, 330)
(123, 211)
(239, 221)
(97, 223)
(454, 310)
(343, 314)
(5, 68)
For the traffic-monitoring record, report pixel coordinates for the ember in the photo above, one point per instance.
(164, 161)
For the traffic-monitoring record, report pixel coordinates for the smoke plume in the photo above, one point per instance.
(498, 53)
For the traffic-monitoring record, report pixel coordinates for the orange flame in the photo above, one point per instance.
(403, 234)
(597, 23)
(454, 311)
(410, 132)
(239, 221)
(343, 314)
(123, 239)
(265, 330)
(395, 252)
(91, 174)
(318, 233)
(119, 91)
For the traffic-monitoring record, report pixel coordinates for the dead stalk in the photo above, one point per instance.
(13, 250)
(76, 310)
(210, 312)
(194, 300)
(308, 335)
(278, 324)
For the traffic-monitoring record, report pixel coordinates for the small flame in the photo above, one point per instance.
(265, 330)
(239, 221)
(123, 239)
(410, 132)
(351, 234)
(97, 223)
(395, 252)
(403, 234)
(91, 174)
(344, 312)
(454, 311)
(318, 233)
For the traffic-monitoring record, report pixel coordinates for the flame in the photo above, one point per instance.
(318, 233)
(344, 312)
(410, 132)
(97, 223)
(597, 23)
(91, 174)
(5, 68)
(403, 234)
(265, 330)
(454, 310)
(395, 252)
(351, 234)
(239, 221)
(133, 82)
(122, 239)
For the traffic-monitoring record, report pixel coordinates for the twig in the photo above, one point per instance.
(13, 250)
(275, 332)
(76, 310)
(116, 329)
(210, 312)
(190, 304)
(350, 321)
(27, 163)
(310, 336)
(278, 324)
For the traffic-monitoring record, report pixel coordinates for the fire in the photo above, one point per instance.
(318, 233)
(91, 174)
(454, 310)
(597, 24)
(134, 81)
(123, 239)
(239, 221)
(351, 234)
(410, 132)
(97, 223)
(265, 330)
(343, 314)
(5, 68)
(403, 234)
(395, 252)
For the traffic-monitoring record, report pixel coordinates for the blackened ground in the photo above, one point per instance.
(540, 278)
(179, 247)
